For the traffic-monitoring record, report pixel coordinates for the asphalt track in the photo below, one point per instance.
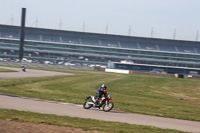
(50, 107)
(28, 73)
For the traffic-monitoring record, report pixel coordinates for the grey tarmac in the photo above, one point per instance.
(29, 73)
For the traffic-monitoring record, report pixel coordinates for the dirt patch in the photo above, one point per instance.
(7, 126)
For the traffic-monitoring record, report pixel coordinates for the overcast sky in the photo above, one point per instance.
(145, 18)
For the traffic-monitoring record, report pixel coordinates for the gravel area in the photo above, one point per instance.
(7, 126)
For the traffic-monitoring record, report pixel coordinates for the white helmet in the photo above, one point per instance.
(104, 86)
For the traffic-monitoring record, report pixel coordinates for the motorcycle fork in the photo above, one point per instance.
(107, 102)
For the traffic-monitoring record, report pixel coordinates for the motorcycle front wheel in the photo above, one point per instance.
(108, 107)
(86, 105)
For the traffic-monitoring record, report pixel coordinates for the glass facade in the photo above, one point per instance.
(56, 43)
(39, 46)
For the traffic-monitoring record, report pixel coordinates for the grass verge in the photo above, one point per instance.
(86, 124)
(6, 70)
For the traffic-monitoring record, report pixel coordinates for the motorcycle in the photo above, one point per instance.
(23, 69)
(104, 102)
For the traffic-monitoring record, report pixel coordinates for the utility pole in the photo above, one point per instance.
(22, 31)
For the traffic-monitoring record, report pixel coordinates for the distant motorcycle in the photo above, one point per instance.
(23, 69)
(104, 102)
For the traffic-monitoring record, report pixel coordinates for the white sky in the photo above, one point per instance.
(164, 16)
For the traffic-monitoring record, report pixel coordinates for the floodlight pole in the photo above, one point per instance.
(152, 31)
(22, 31)
(197, 36)
(174, 36)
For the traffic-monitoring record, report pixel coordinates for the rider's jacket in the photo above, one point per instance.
(100, 92)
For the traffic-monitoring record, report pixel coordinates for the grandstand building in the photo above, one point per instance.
(70, 46)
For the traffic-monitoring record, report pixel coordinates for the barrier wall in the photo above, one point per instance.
(117, 71)
(152, 74)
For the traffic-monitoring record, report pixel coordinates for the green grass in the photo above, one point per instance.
(86, 124)
(6, 70)
(159, 96)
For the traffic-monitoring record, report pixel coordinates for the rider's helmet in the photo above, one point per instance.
(104, 86)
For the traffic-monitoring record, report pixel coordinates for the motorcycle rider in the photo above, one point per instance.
(23, 68)
(100, 92)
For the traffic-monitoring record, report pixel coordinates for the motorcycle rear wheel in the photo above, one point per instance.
(86, 105)
(108, 107)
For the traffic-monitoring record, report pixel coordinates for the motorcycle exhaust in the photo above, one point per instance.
(90, 103)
